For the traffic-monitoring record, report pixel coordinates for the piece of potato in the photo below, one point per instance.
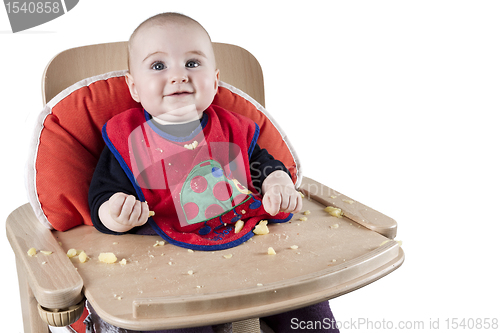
(333, 211)
(31, 252)
(71, 253)
(261, 228)
(83, 257)
(107, 257)
(238, 226)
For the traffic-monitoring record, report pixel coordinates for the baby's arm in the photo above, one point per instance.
(280, 194)
(123, 212)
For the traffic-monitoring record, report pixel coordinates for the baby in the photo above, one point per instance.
(195, 165)
(182, 154)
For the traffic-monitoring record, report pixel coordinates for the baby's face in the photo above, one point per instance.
(172, 71)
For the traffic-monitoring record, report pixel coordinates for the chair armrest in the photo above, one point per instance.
(353, 210)
(52, 277)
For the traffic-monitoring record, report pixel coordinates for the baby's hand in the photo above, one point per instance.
(122, 212)
(280, 194)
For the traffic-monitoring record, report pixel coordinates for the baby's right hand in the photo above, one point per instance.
(123, 212)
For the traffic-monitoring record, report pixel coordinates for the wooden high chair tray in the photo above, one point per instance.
(160, 286)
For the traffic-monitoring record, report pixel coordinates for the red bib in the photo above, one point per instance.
(199, 186)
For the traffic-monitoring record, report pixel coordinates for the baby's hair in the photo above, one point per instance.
(161, 19)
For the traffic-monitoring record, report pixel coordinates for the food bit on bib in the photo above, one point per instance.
(191, 146)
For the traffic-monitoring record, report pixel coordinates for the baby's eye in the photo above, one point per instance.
(158, 66)
(192, 64)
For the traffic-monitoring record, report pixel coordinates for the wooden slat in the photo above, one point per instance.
(53, 279)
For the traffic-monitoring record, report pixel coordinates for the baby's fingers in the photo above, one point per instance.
(127, 210)
(295, 204)
(143, 218)
(272, 203)
(291, 203)
(115, 204)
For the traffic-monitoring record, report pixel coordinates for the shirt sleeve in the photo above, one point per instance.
(262, 164)
(108, 179)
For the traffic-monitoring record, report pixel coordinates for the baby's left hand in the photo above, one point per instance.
(280, 194)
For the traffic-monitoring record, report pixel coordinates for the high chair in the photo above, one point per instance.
(165, 286)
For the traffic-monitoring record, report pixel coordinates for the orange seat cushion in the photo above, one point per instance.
(70, 143)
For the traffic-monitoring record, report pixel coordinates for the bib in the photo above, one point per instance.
(199, 186)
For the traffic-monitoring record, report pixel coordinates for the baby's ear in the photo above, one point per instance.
(217, 75)
(131, 87)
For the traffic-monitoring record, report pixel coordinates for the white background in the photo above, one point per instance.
(393, 103)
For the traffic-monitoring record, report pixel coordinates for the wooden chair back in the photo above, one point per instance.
(237, 66)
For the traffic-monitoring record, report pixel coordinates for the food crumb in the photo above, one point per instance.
(228, 256)
(335, 226)
(303, 219)
(159, 243)
(191, 146)
(31, 252)
(271, 251)
(307, 212)
(71, 253)
(190, 251)
(259, 284)
(83, 257)
(261, 228)
(190, 272)
(46, 252)
(108, 258)
(294, 247)
(333, 211)
(238, 226)
(349, 201)
(123, 262)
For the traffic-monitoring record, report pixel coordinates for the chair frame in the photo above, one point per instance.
(36, 277)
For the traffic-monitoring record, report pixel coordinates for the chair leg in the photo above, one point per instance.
(247, 326)
(31, 319)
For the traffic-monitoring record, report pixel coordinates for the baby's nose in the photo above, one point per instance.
(178, 78)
